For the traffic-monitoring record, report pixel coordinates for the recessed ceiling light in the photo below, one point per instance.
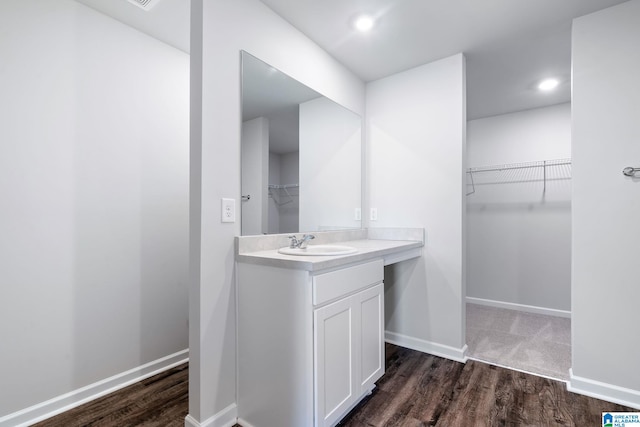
(364, 23)
(548, 84)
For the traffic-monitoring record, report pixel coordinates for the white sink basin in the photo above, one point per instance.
(319, 250)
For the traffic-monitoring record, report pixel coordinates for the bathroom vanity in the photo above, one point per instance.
(311, 331)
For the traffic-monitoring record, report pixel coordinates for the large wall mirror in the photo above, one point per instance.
(301, 156)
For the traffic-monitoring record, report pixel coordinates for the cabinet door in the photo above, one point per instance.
(335, 382)
(370, 311)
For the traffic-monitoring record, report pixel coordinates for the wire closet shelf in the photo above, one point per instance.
(509, 173)
(283, 194)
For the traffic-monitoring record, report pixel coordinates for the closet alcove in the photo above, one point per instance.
(518, 223)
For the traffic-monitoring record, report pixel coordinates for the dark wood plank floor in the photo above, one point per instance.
(158, 401)
(417, 390)
(423, 390)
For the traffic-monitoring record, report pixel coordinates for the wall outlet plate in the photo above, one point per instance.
(228, 210)
(357, 214)
(374, 214)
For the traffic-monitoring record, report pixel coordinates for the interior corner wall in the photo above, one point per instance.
(289, 213)
(519, 236)
(94, 181)
(220, 29)
(284, 205)
(255, 176)
(605, 287)
(415, 129)
(274, 178)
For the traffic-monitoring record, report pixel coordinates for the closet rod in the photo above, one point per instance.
(283, 186)
(510, 166)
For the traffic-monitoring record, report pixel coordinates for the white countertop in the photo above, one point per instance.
(390, 250)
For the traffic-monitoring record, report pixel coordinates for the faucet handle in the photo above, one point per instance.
(294, 241)
(302, 243)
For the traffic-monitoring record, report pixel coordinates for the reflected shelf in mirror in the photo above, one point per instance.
(283, 194)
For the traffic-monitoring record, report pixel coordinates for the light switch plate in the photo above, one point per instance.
(228, 210)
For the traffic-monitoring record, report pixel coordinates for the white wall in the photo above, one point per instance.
(289, 213)
(284, 210)
(274, 178)
(330, 166)
(289, 220)
(255, 174)
(415, 128)
(606, 204)
(94, 219)
(538, 134)
(220, 29)
(519, 237)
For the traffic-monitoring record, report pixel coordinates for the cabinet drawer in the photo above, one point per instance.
(335, 284)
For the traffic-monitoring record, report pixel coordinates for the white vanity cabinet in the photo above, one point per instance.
(310, 344)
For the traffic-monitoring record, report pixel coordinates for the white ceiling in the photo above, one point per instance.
(509, 44)
(167, 21)
(502, 76)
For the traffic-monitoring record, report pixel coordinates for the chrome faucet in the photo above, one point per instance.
(300, 243)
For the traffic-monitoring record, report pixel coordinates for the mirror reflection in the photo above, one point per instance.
(301, 158)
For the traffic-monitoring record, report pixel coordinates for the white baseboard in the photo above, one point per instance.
(62, 403)
(603, 391)
(244, 423)
(520, 307)
(441, 350)
(228, 417)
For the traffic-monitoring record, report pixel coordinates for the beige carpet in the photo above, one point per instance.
(528, 342)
